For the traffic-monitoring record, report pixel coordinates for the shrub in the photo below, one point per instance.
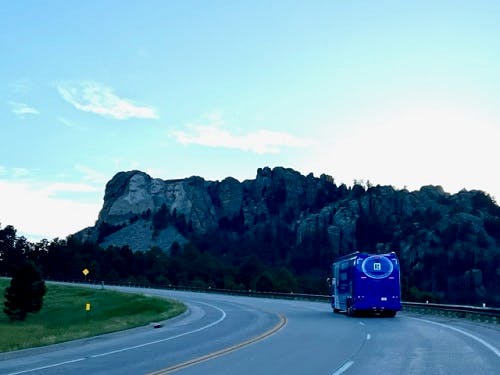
(25, 293)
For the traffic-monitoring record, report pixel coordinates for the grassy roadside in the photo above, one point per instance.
(63, 316)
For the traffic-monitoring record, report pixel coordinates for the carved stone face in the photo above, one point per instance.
(136, 188)
(174, 192)
(137, 182)
(157, 186)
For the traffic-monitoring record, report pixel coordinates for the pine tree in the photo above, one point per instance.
(25, 293)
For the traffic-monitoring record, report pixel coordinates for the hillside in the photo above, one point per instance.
(448, 243)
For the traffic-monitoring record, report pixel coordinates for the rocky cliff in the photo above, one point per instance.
(306, 221)
(133, 202)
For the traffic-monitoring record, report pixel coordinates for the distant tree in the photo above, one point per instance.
(492, 226)
(357, 190)
(161, 218)
(175, 249)
(249, 269)
(12, 250)
(104, 229)
(264, 282)
(25, 293)
(483, 201)
(284, 280)
(146, 215)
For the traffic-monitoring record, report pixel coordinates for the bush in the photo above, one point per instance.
(25, 293)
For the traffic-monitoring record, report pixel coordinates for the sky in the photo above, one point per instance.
(401, 93)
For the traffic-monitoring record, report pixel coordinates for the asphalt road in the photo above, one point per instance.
(223, 334)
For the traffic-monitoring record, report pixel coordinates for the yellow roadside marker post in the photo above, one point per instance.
(87, 309)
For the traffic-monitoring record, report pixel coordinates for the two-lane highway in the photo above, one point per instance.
(223, 334)
(204, 329)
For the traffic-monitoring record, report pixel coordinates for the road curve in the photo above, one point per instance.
(240, 335)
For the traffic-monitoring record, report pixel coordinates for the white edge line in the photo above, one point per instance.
(131, 347)
(46, 367)
(168, 338)
(479, 340)
(344, 368)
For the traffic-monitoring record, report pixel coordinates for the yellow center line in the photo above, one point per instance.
(224, 351)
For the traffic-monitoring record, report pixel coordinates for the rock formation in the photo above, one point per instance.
(311, 220)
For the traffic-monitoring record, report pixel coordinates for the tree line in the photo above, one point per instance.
(450, 266)
(186, 265)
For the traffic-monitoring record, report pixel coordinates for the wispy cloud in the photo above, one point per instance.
(97, 98)
(260, 141)
(22, 109)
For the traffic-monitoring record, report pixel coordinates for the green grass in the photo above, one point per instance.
(63, 316)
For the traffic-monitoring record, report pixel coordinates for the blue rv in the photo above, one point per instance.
(364, 282)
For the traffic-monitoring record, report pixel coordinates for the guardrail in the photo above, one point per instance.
(491, 314)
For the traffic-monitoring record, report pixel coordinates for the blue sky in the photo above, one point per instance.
(404, 93)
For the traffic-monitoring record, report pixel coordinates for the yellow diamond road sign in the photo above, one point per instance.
(85, 272)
